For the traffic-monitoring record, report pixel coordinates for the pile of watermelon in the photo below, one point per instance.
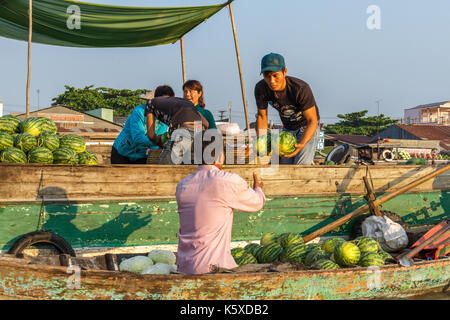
(334, 253)
(36, 140)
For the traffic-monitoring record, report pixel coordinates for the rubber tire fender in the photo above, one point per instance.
(36, 237)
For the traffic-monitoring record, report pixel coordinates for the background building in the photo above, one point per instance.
(433, 113)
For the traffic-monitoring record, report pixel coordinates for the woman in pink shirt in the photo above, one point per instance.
(206, 200)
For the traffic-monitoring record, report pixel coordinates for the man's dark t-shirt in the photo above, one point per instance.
(172, 111)
(294, 100)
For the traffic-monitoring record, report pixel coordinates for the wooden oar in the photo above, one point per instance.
(406, 259)
(333, 225)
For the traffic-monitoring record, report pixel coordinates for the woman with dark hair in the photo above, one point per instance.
(193, 91)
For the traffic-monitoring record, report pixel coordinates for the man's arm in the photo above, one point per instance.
(151, 134)
(261, 122)
(137, 130)
(312, 123)
(246, 199)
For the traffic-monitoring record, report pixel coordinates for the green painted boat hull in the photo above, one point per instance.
(121, 223)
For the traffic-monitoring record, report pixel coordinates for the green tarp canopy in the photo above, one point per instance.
(78, 24)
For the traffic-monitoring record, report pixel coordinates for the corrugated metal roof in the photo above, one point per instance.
(351, 139)
(429, 132)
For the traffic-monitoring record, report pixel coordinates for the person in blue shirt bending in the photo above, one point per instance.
(130, 146)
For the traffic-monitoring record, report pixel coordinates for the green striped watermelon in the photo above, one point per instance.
(252, 248)
(9, 124)
(312, 246)
(48, 125)
(371, 259)
(65, 156)
(13, 155)
(366, 244)
(326, 265)
(40, 155)
(269, 253)
(73, 142)
(32, 125)
(25, 142)
(246, 258)
(315, 255)
(288, 238)
(269, 238)
(295, 253)
(237, 252)
(87, 157)
(347, 254)
(48, 140)
(331, 243)
(385, 256)
(6, 140)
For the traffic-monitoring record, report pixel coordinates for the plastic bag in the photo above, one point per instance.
(391, 236)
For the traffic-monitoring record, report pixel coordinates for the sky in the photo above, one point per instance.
(327, 43)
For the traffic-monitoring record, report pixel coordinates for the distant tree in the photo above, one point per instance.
(358, 124)
(122, 101)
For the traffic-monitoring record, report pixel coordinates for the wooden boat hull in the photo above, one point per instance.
(122, 206)
(33, 281)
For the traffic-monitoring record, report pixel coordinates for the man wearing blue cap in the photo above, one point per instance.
(295, 103)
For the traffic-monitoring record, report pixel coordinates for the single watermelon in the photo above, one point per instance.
(331, 243)
(252, 248)
(246, 258)
(25, 142)
(371, 259)
(347, 254)
(40, 155)
(288, 238)
(385, 256)
(366, 244)
(237, 252)
(263, 145)
(32, 125)
(269, 253)
(315, 255)
(13, 155)
(48, 125)
(313, 246)
(9, 124)
(48, 140)
(73, 142)
(87, 157)
(65, 156)
(286, 143)
(295, 253)
(6, 140)
(269, 238)
(325, 264)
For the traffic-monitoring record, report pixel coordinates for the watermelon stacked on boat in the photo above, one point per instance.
(371, 259)
(295, 253)
(48, 140)
(88, 158)
(13, 155)
(74, 142)
(6, 140)
(9, 124)
(325, 264)
(25, 142)
(270, 253)
(347, 254)
(40, 155)
(65, 156)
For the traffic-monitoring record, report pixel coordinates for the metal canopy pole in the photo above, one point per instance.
(183, 65)
(244, 100)
(30, 31)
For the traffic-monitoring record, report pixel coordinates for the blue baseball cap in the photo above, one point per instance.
(272, 62)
